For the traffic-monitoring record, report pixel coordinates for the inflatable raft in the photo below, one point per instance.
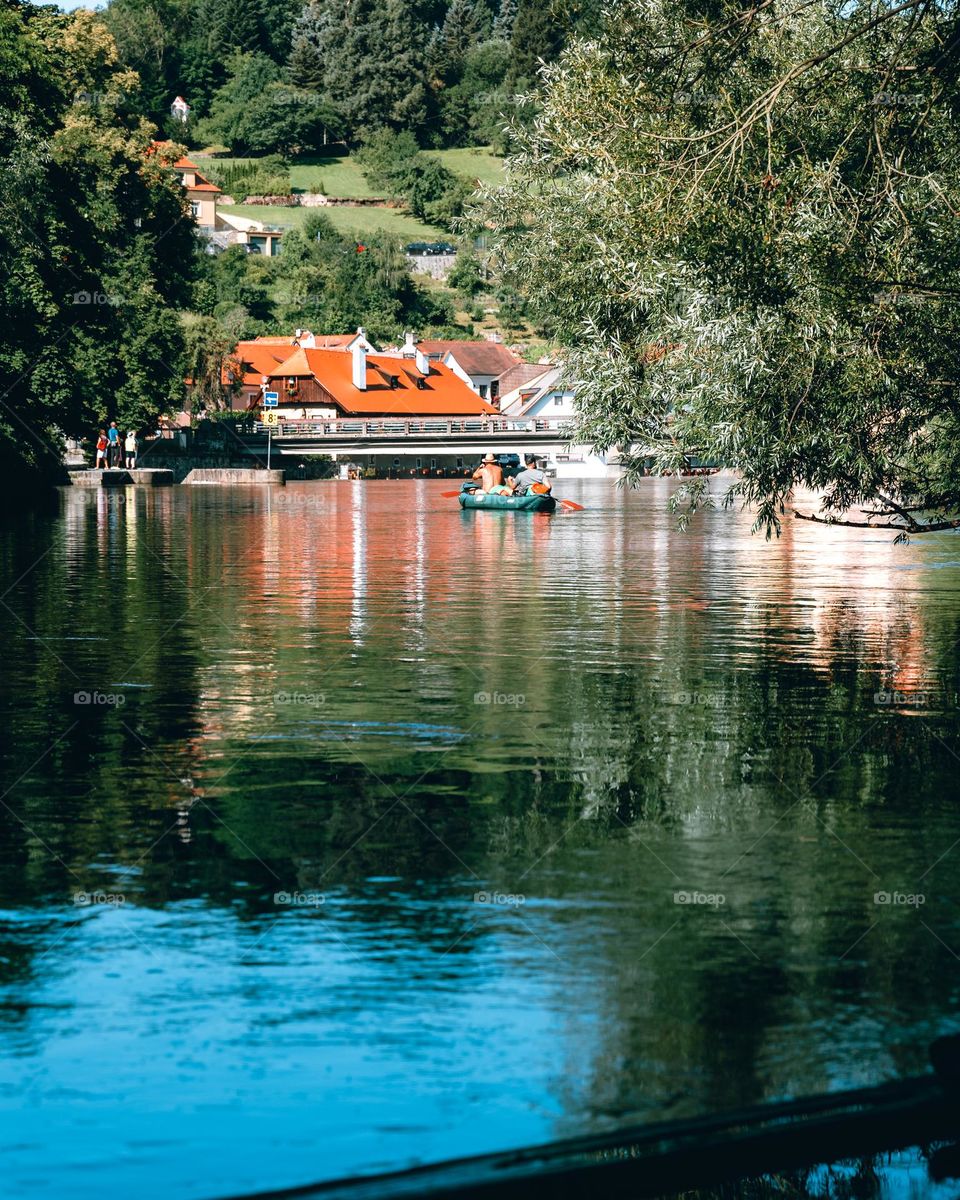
(529, 503)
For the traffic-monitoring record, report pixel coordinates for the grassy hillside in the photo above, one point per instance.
(340, 176)
(476, 163)
(358, 222)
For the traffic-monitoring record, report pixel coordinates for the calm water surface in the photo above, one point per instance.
(437, 833)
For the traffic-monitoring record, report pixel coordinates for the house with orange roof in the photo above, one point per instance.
(201, 193)
(480, 364)
(221, 229)
(326, 384)
(250, 365)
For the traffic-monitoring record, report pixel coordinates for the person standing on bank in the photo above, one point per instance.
(102, 445)
(530, 475)
(113, 449)
(130, 450)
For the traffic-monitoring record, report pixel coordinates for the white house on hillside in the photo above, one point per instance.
(546, 396)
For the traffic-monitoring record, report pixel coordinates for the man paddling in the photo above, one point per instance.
(490, 477)
(530, 475)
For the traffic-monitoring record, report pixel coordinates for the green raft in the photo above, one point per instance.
(530, 503)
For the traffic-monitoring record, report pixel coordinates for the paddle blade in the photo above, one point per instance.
(449, 495)
(570, 505)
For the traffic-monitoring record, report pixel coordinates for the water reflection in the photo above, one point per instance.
(682, 767)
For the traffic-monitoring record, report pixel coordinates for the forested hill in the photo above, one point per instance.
(446, 69)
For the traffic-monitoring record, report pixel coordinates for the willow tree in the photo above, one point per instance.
(742, 221)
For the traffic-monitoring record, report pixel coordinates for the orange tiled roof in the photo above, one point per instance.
(443, 393)
(203, 184)
(250, 361)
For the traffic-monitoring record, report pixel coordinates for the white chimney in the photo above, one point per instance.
(409, 345)
(423, 363)
(360, 366)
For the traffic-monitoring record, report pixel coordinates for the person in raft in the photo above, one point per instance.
(530, 479)
(490, 477)
(101, 450)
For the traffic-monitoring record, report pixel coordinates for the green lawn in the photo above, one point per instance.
(341, 176)
(351, 221)
(476, 163)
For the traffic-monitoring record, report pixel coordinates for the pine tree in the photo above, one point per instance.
(506, 19)
(537, 34)
(315, 36)
(460, 31)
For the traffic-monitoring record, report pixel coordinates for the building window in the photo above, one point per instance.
(419, 462)
(433, 464)
(459, 462)
(195, 207)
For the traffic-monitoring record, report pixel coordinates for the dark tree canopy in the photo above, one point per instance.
(743, 223)
(96, 264)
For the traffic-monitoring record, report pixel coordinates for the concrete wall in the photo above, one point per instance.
(230, 476)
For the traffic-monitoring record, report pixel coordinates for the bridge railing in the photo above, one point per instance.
(389, 427)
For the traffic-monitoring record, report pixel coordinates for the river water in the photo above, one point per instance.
(341, 830)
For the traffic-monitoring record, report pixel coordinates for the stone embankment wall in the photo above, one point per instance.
(438, 266)
(312, 200)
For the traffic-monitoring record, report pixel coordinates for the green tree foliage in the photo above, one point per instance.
(207, 358)
(365, 57)
(506, 19)
(395, 164)
(150, 36)
(335, 285)
(182, 46)
(255, 112)
(744, 226)
(538, 33)
(473, 107)
(95, 262)
(236, 280)
(466, 276)
(396, 64)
